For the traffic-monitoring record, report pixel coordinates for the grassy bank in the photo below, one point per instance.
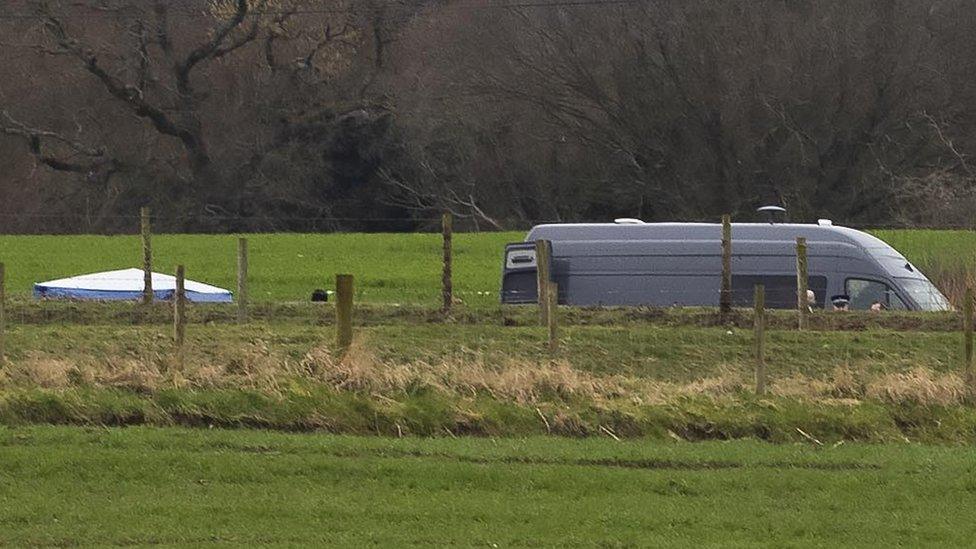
(688, 382)
(64, 486)
(732, 416)
(653, 352)
(25, 311)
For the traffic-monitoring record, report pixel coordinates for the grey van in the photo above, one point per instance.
(679, 264)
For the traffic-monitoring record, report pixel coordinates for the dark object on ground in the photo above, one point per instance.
(320, 296)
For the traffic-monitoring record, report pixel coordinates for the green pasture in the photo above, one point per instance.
(942, 248)
(107, 487)
(389, 268)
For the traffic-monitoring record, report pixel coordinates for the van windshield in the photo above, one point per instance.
(923, 292)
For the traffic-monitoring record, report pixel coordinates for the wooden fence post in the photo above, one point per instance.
(146, 230)
(447, 289)
(759, 322)
(725, 297)
(553, 316)
(3, 313)
(344, 293)
(802, 303)
(242, 280)
(543, 258)
(967, 328)
(179, 313)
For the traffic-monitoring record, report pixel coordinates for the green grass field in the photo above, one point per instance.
(627, 391)
(390, 268)
(66, 487)
(926, 246)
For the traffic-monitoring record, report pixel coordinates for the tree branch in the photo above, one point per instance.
(207, 50)
(162, 28)
(100, 164)
(244, 39)
(273, 34)
(413, 198)
(128, 94)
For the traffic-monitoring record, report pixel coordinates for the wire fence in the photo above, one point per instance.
(676, 302)
(414, 306)
(471, 307)
(28, 223)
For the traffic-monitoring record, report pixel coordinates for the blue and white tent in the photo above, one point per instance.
(126, 284)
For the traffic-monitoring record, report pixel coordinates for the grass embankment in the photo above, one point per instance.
(173, 487)
(25, 311)
(389, 268)
(449, 379)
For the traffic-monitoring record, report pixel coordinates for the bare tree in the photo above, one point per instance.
(160, 89)
(694, 109)
(277, 114)
(205, 87)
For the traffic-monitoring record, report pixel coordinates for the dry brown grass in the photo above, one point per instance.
(506, 378)
(801, 387)
(40, 370)
(502, 377)
(920, 386)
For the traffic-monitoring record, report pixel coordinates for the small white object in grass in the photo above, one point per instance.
(300, 255)
(728, 332)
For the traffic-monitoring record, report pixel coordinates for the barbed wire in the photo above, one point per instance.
(512, 225)
(205, 217)
(646, 297)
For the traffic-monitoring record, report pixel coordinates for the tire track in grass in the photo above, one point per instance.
(622, 463)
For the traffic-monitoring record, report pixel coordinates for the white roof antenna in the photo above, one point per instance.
(772, 211)
(628, 221)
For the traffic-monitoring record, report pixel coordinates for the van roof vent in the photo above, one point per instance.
(628, 221)
(825, 223)
(772, 212)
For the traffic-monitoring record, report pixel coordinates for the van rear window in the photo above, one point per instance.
(780, 290)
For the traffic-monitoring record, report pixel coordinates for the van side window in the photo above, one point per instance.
(780, 290)
(864, 293)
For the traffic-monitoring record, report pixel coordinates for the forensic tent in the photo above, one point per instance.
(126, 284)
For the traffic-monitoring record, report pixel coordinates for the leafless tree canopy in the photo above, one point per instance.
(375, 115)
